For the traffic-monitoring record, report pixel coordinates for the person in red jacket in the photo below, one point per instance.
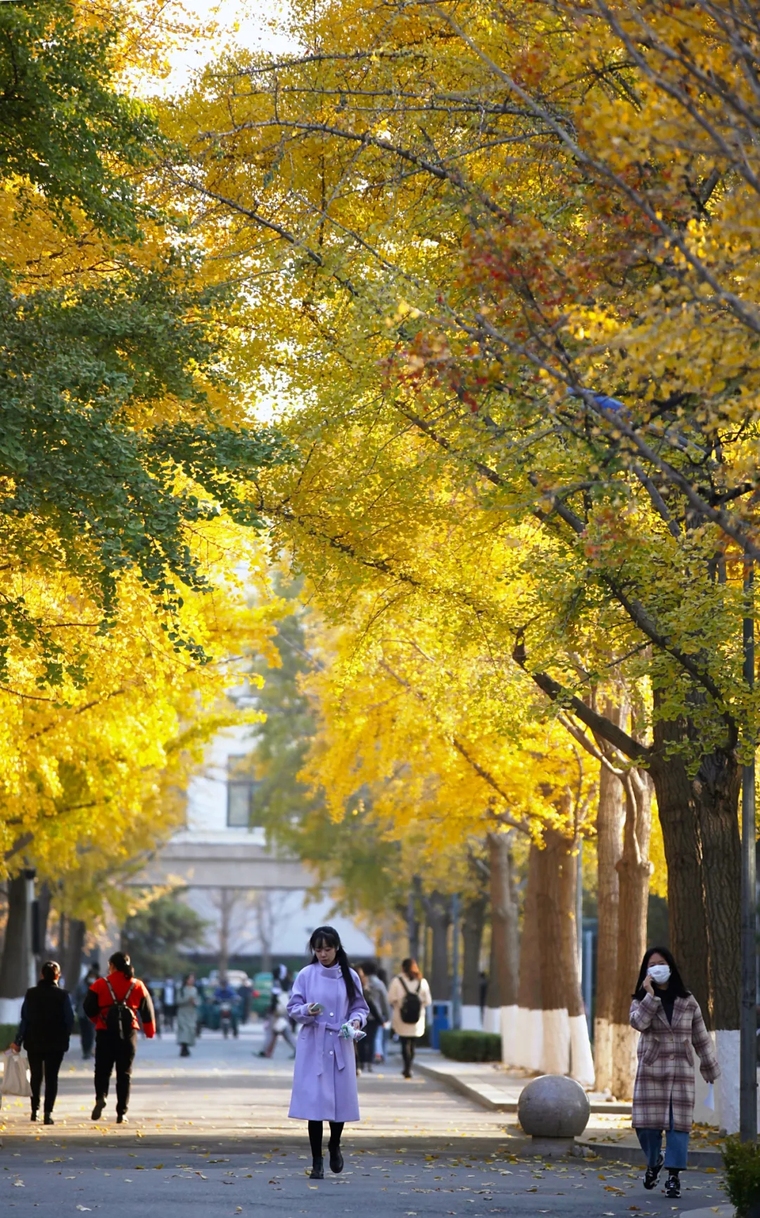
(113, 1003)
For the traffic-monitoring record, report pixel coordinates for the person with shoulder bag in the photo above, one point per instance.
(409, 996)
(670, 1022)
(113, 1003)
(47, 1018)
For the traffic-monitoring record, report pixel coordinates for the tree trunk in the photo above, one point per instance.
(473, 923)
(610, 818)
(505, 944)
(438, 911)
(14, 967)
(71, 964)
(526, 1048)
(634, 870)
(413, 920)
(700, 829)
(43, 906)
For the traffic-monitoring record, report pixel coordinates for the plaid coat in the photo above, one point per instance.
(665, 1071)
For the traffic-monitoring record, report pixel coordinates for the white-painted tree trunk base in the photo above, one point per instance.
(727, 1086)
(471, 1021)
(492, 1019)
(10, 1010)
(603, 1054)
(527, 1048)
(625, 1041)
(508, 1034)
(556, 1042)
(581, 1058)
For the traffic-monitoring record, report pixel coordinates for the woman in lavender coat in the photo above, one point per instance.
(326, 997)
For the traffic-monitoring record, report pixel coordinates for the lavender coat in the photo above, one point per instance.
(324, 1078)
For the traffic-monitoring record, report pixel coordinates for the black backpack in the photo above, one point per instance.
(119, 1015)
(411, 1007)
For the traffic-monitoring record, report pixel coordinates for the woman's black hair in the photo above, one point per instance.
(411, 968)
(122, 963)
(675, 987)
(327, 936)
(50, 971)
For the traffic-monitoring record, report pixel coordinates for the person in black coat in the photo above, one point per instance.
(47, 1018)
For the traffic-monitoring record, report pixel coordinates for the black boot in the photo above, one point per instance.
(48, 1120)
(673, 1183)
(33, 1117)
(336, 1159)
(651, 1174)
(97, 1111)
(317, 1168)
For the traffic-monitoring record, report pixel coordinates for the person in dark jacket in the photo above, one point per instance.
(113, 1003)
(47, 1018)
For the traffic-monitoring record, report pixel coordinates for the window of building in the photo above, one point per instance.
(240, 792)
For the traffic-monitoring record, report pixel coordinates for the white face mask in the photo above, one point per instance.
(660, 973)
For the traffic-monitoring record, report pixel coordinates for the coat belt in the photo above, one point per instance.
(321, 1031)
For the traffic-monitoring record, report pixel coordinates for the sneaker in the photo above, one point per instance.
(97, 1111)
(673, 1185)
(317, 1169)
(651, 1174)
(336, 1160)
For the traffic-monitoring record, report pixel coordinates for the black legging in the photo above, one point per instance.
(316, 1129)
(407, 1052)
(48, 1064)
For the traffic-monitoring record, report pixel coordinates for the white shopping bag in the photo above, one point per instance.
(710, 1097)
(15, 1077)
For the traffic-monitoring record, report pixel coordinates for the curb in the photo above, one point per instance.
(632, 1154)
(493, 1097)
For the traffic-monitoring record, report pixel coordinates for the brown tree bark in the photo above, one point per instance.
(71, 964)
(634, 870)
(610, 819)
(14, 974)
(529, 990)
(438, 914)
(505, 946)
(473, 924)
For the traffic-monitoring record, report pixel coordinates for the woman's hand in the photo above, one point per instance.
(314, 1008)
(356, 1023)
(648, 985)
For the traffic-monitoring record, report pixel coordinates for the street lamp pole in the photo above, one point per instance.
(748, 1033)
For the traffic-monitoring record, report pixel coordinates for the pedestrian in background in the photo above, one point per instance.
(169, 1003)
(86, 1030)
(379, 991)
(669, 1019)
(409, 996)
(47, 1018)
(327, 1001)
(366, 1046)
(187, 1005)
(245, 993)
(113, 1003)
(278, 1022)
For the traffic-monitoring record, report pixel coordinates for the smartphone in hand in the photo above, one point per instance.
(315, 1008)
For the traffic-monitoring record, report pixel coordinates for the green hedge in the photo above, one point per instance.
(7, 1032)
(471, 1046)
(742, 1165)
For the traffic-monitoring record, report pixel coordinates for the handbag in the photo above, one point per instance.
(15, 1077)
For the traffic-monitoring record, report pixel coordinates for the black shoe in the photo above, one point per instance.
(33, 1117)
(121, 1118)
(673, 1185)
(651, 1174)
(48, 1120)
(317, 1169)
(97, 1111)
(336, 1159)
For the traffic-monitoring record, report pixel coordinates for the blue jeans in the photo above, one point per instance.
(676, 1145)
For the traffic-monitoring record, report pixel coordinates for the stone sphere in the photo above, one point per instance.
(553, 1106)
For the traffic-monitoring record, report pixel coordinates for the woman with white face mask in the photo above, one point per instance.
(670, 1022)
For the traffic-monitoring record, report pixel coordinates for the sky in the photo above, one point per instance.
(249, 23)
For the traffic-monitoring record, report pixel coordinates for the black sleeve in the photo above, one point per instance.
(90, 1005)
(147, 1014)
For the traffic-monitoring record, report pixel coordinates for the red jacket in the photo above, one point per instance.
(98, 1000)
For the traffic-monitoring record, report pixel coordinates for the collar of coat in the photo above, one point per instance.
(681, 1013)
